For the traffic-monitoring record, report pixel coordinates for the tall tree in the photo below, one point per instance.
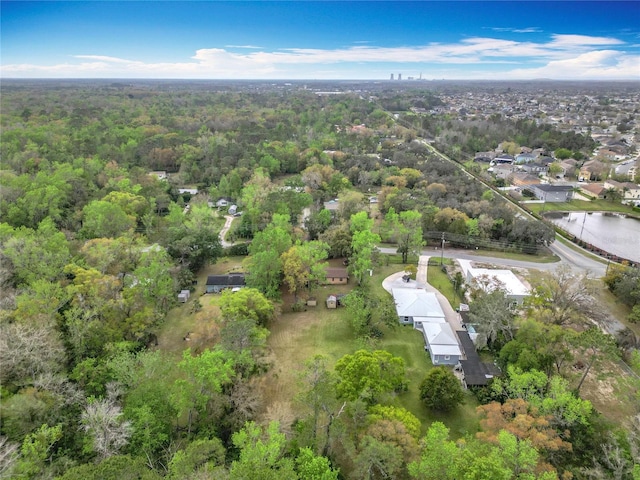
(491, 311)
(264, 263)
(409, 234)
(203, 376)
(246, 303)
(367, 375)
(304, 266)
(261, 454)
(102, 420)
(594, 345)
(441, 390)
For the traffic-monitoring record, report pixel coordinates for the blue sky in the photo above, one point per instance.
(321, 40)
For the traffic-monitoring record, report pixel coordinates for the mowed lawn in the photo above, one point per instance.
(296, 337)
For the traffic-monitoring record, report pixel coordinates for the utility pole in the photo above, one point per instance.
(583, 220)
(442, 250)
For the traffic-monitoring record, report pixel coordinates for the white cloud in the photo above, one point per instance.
(250, 47)
(600, 64)
(104, 58)
(563, 56)
(517, 30)
(570, 41)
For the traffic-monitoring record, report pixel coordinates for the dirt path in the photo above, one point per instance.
(223, 233)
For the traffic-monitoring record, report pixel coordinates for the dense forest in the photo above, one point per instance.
(108, 211)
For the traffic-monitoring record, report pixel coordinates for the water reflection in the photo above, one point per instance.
(612, 232)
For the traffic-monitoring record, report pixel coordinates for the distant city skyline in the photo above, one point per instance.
(503, 40)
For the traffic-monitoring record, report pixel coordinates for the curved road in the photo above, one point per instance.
(578, 262)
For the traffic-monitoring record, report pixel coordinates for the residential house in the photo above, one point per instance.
(485, 157)
(223, 202)
(503, 158)
(502, 171)
(552, 193)
(415, 306)
(568, 166)
(523, 179)
(525, 158)
(159, 174)
(536, 168)
(337, 276)
(593, 190)
(441, 343)
(217, 283)
(591, 170)
(629, 192)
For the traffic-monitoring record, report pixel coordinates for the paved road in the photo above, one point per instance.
(578, 262)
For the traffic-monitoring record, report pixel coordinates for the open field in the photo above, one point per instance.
(580, 205)
(297, 337)
(193, 321)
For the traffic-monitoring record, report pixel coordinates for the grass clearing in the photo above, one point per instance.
(298, 336)
(438, 279)
(189, 325)
(580, 205)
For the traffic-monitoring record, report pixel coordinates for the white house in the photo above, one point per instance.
(441, 342)
(415, 306)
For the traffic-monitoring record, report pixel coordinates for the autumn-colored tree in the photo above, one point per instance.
(524, 421)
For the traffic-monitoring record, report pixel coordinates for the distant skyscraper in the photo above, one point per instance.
(399, 76)
(392, 76)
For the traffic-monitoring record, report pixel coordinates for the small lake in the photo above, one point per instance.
(612, 232)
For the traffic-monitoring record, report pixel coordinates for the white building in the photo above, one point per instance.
(421, 309)
(490, 279)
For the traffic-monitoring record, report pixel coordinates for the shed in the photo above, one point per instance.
(312, 302)
(233, 209)
(183, 296)
(332, 301)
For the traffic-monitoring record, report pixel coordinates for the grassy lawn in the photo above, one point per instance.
(580, 205)
(438, 279)
(297, 336)
(197, 324)
(546, 257)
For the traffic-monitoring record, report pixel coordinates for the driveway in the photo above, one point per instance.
(395, 281)
(452, 317)
(227, 225)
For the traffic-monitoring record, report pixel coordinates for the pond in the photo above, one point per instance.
(613, 232)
